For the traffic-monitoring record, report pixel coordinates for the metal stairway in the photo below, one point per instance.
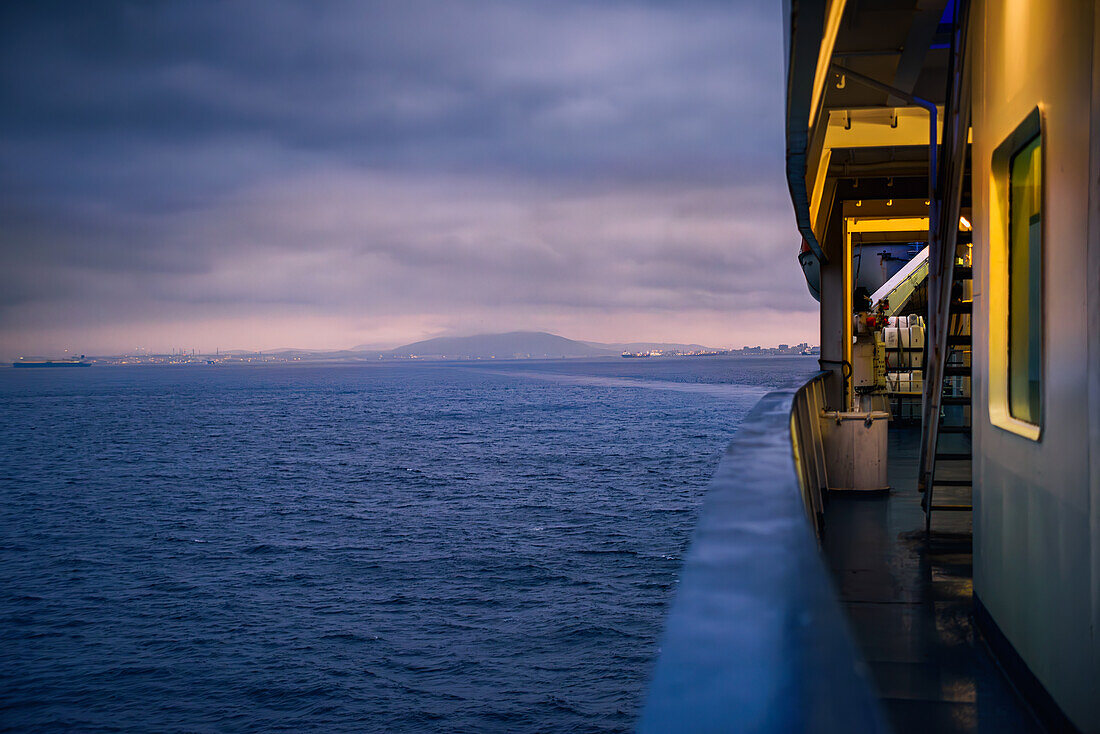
(946, 277)
(953, 448)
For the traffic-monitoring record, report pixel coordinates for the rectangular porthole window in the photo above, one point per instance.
(1025, 278)
(1014, 279)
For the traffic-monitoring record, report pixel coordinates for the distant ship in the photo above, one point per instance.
(51, 362)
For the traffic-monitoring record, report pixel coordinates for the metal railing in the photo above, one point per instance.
(756, 639)
(808, 449)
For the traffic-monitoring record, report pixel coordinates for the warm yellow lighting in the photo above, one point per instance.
(888, 224)
(825, 54)
(820, 175)
(965, 224)
(889, 202)
(927, 202)
(859, 202)
(878, 127)
(996, 289)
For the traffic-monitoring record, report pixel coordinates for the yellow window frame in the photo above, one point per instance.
(1000, 413)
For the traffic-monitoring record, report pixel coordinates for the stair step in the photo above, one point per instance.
(956, 371)
(961, 339)
(955, 400)
(955, 429)
(964, 272)
(953, 457)
(952, 508)
(952, 483)
(962, 307)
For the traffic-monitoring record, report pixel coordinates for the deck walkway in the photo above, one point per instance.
(909, 603)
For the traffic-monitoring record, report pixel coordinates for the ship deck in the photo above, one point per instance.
(909, 602)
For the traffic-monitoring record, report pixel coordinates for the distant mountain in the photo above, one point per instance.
(513, 345)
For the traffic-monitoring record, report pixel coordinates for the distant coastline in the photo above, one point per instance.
(483, 347)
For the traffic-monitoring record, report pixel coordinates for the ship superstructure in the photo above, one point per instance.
(943, 160)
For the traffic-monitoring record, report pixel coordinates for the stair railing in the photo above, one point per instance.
(945, 206)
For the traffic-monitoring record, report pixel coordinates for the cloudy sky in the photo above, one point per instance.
(327, 174)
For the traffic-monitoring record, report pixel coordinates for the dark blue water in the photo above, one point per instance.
(422, 547)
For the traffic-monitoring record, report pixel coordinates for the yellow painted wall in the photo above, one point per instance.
(1037, 504)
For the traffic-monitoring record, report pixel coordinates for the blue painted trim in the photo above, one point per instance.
(756, 639)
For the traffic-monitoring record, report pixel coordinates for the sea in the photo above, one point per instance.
(414, 547)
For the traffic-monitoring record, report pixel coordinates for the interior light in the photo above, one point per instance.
(888, 224)
(965, 223)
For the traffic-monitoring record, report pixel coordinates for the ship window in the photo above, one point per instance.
(1025, 277)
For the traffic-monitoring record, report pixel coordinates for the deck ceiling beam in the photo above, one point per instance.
(882, 188)
(878, 127)
(922, 32)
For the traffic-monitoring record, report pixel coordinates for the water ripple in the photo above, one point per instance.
(380, 548)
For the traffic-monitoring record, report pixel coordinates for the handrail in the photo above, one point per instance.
(756, 639)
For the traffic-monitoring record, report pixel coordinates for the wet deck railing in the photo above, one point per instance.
(756, 639)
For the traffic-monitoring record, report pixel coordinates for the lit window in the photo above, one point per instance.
(1025, 278)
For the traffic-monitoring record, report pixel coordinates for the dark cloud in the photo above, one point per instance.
(434, 163)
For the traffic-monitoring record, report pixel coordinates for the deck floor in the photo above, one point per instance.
(909, 601)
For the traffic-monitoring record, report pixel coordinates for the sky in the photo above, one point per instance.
(324, 175)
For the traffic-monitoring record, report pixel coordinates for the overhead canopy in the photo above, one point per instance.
(841, 130)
